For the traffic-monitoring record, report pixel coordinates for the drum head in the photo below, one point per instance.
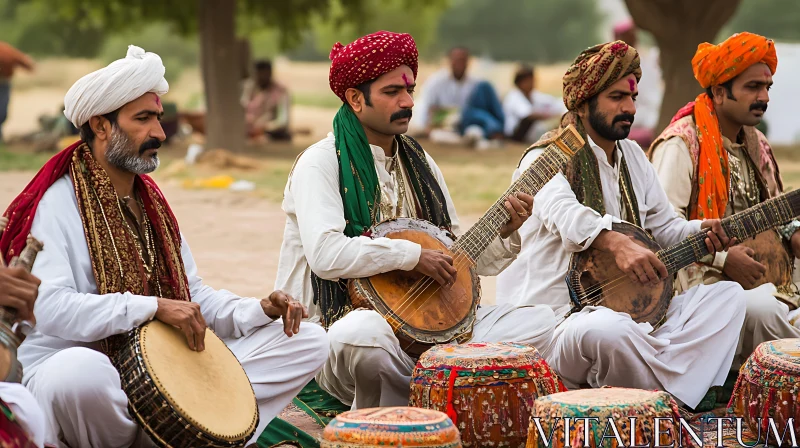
(209, 388)
(605, 397)
(474, 354)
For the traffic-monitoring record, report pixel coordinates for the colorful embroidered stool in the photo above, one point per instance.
(769, 387)
(398, 426)
(487, 390)
(617, 403)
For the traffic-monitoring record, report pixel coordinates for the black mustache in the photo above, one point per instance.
(759, 105)
(623, 117)
(153, 143)
(403, 113)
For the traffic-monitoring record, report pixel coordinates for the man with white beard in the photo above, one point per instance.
(114, 259)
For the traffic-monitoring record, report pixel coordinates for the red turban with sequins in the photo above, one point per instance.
(370, 57)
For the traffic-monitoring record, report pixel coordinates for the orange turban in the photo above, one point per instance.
(714, 65)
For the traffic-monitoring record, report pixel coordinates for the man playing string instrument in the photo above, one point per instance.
(713, 163)
(21, 419)
(610, 180)
(368, 171)
(114, 259)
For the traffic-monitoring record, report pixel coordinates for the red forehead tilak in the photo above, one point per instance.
(158, 100)
(631, 84)
(405, 80)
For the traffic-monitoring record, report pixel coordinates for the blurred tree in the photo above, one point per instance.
(539, 31)
(215, 21)
(33, 29)
(776, 19)
(678, 26)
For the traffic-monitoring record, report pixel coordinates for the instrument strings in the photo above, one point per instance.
(475, 241)
(678, 256)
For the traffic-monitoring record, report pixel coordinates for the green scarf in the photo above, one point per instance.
(358, 181)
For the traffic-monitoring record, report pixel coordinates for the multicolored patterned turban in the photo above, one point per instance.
(596, 69)
(370, 57)
(714, 65)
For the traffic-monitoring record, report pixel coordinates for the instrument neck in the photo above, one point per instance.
(475, 241)
(749, 223)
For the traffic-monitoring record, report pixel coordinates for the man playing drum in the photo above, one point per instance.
(329, 210)
(713, 163)
(610, 180)
(114, 259)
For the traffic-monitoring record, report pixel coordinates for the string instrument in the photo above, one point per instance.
(11, 336)
(420, 311)
(594, 278)
(770, 250)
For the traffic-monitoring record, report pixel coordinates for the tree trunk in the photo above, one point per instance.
(678, 26)
(219, 57)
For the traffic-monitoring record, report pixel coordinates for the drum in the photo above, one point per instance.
(618, 404)
(393, 426)
(487, 390)
(769, 387)
(181, 397)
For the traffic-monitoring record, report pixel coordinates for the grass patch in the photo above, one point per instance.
(323, 100)
(13, 160)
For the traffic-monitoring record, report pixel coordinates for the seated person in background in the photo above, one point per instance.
(529, 113)
(467, 103)
(266, 105)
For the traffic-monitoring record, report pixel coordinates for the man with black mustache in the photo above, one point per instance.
(713, 162)
(368, 171)
(607, 181)
(114, 259)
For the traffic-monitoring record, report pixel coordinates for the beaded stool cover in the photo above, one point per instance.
(487, 389)
(391, 426)
(616, 403)
(769, 387)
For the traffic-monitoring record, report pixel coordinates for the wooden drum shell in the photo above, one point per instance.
(151, 408)
(591, 267)
(435, 315)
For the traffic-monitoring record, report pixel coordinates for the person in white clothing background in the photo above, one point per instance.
(330, 204)
(114, 259)
(598, 346)
(529, 113)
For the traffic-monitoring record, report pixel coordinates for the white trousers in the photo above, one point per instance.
(84, 405)
(692, 351)
(367, 368)
(25, 409)
(767, 319)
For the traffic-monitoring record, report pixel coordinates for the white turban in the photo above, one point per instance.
(112, 87)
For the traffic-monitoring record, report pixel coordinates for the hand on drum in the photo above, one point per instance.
(185, 316)
(717, 240)
(438, 266)
(282, 305)
(520, 207)
(18, 290)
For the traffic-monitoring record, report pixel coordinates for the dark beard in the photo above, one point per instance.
(599, 122)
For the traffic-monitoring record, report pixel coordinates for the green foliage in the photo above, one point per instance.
(540, 31)
(177, 51)
(388, 15)
(32, 28)
(776, 19)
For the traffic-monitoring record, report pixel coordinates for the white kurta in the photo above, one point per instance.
(767, 318)
(26, 411)
(517, 106)
(366, 366)
(66, 373)
(598, 346)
